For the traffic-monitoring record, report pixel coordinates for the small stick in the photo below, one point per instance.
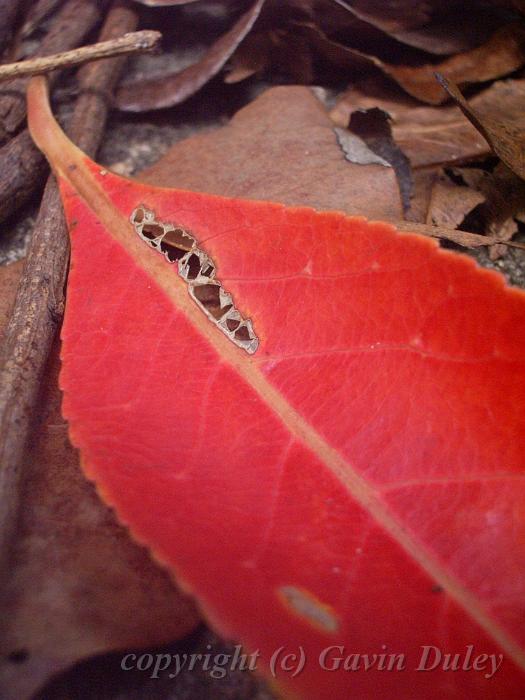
(463, 238)
(133, 42)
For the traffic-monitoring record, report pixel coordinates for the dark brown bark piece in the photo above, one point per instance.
(38, 12)
(23, 169)
(70, 26)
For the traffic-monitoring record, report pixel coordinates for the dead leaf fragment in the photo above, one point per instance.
(374, 127)
(450, 203)
(258, 156)
(169, 90)
(504, 202)
(506, 139)
(356, 150)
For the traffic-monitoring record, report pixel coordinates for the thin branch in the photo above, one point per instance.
(464, 238)
(134, 42)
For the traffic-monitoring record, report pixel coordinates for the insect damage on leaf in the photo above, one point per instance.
(196, 267)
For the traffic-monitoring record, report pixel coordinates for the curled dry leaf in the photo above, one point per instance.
(436, 135)
(501, 55)
(418, 353)
(506, 139)
(437, 28)
(170, 90)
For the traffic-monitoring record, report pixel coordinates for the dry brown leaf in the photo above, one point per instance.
(436, 135)
(169, 90)
(281, 147)
(502, 54)
(450, 203)
(275, 52)
(78, 584)
(437, 28)
(506, 138)
(504, 202)
(487, 202)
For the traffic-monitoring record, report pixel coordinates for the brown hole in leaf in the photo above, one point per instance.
(208, 270)
(176, 243)
(138, 215)
(152, 231)
(209, 297)
(242, 333)
(193, 266)
(232, 324)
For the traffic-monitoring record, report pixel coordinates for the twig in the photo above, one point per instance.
(134, 42)
(39, 303)
(464, 238)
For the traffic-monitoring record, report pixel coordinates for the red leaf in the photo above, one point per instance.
(357, 481)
